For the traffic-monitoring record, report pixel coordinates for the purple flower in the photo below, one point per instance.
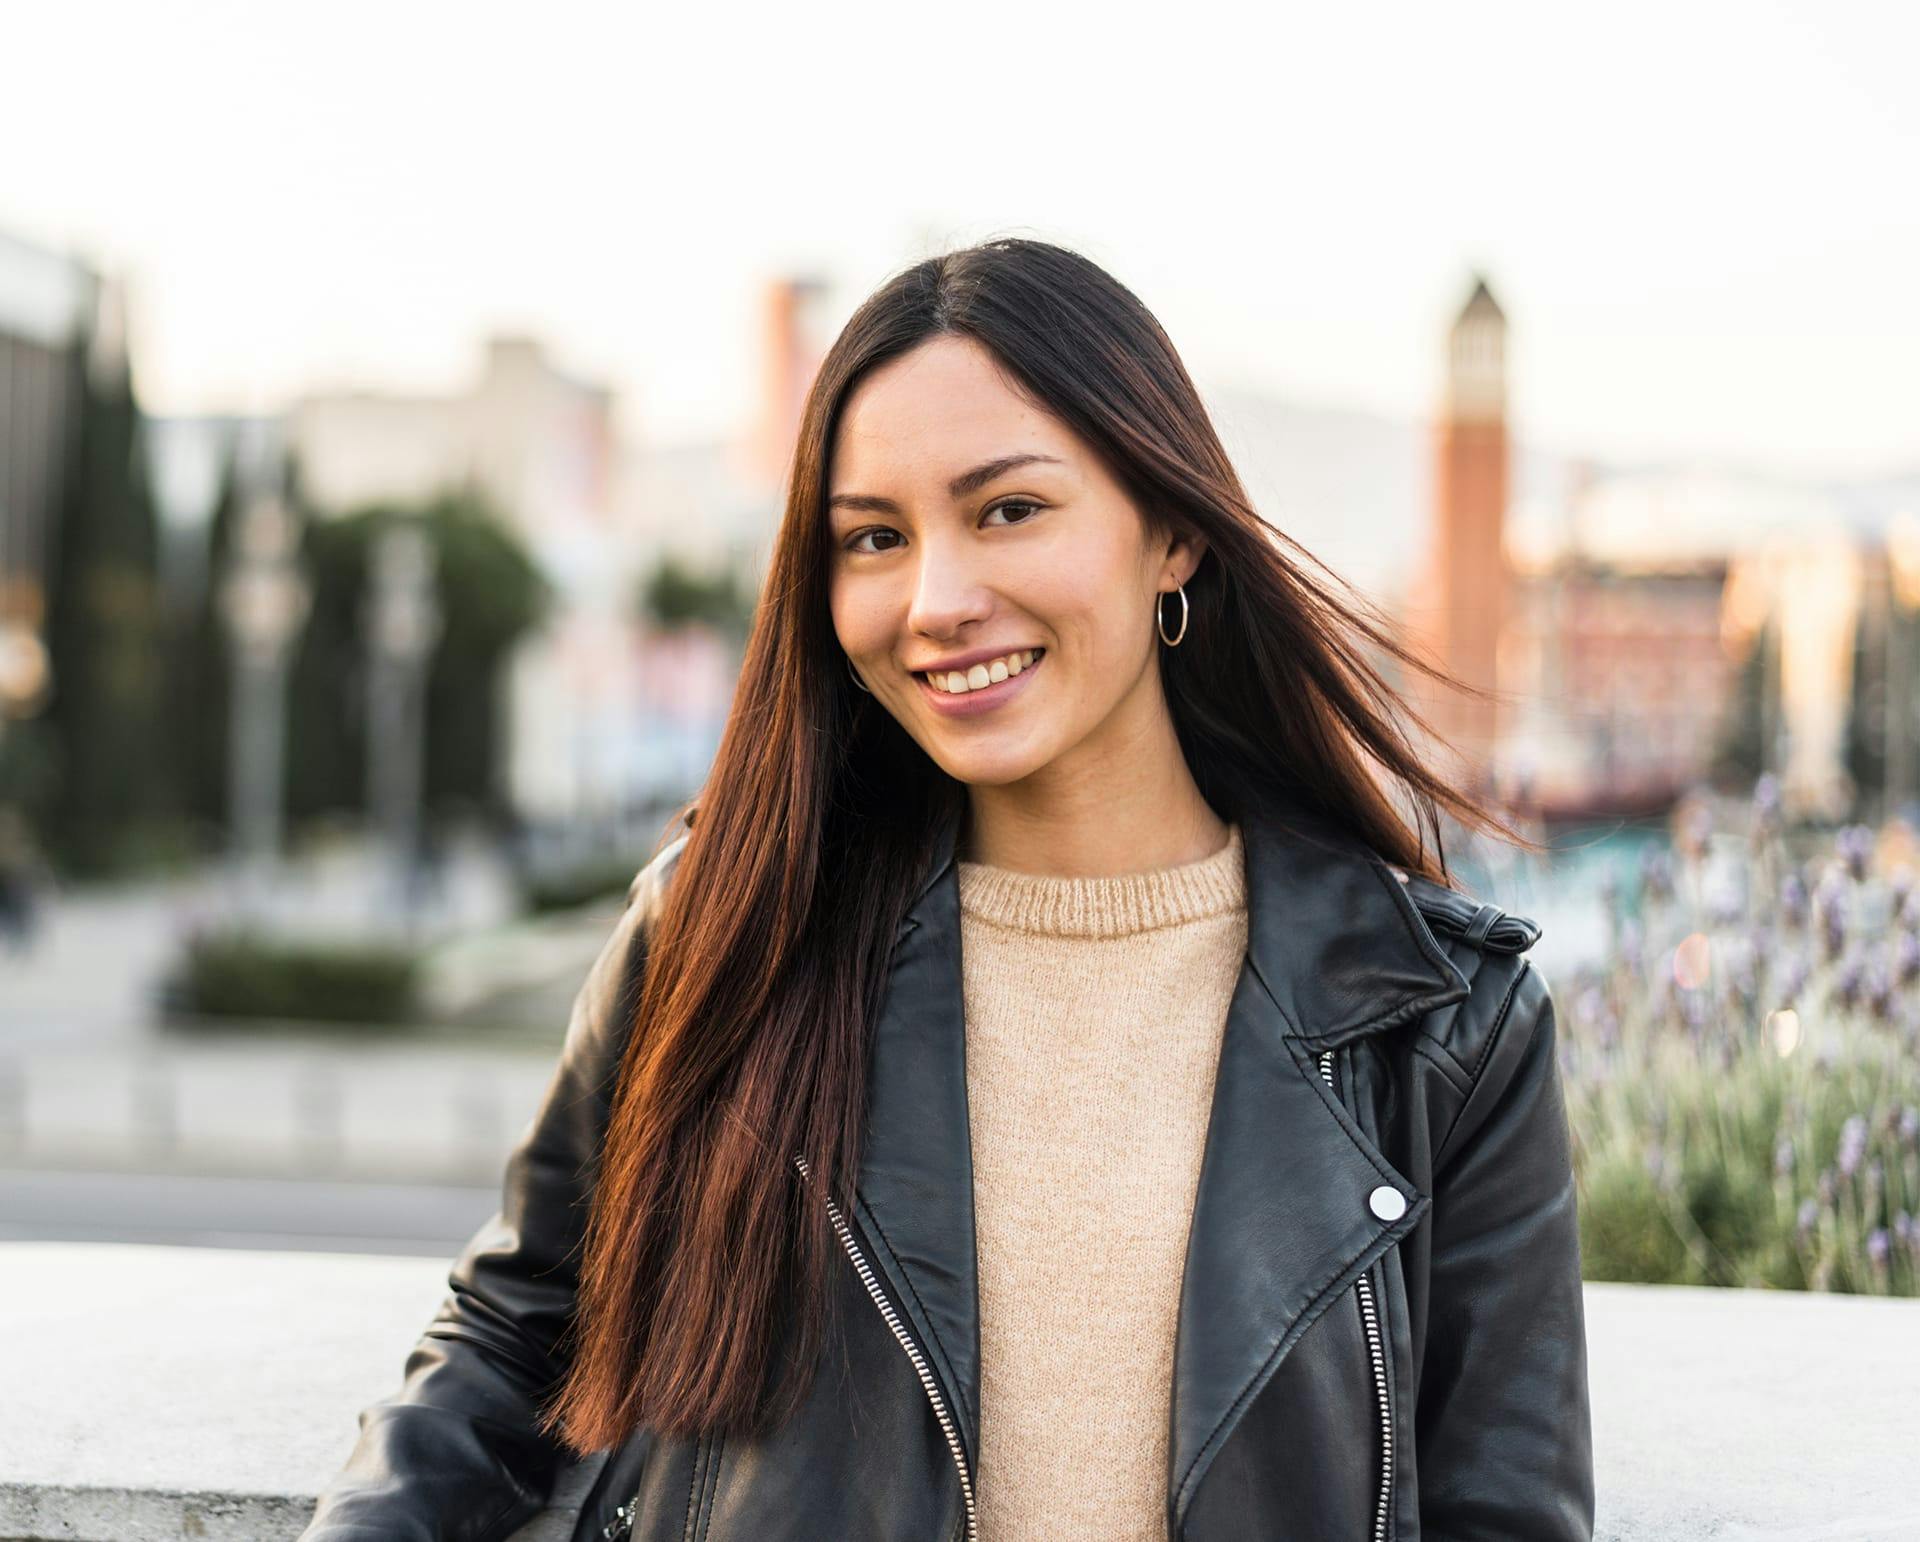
(1809, 1213)
(1846, 984)
(1879, 992)
(1793, 900)
(1766, 794)
(1831, 904)
(1877, 1247)
(1909, 1126)
(1903, 1228)
(1854, 843)
(1853, 1145)
(1656, 873)
(1906, 957)
(1793, 980)
(1631, 941)
(1909, 908)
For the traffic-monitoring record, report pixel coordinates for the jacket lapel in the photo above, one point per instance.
(1280, 1222)
(914, 1199)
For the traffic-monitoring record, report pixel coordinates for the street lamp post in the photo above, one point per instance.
(264, 601)
(403, 622)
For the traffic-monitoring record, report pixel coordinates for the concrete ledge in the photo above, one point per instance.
(155, 1394)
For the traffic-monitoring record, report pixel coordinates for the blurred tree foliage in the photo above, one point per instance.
(98, 742)
(199, 681)
(490, 595)
(674, 594)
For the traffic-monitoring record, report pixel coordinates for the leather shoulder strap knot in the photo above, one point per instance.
(1479, 924)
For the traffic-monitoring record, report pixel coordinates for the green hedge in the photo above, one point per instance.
(239, 974)
(581, 885)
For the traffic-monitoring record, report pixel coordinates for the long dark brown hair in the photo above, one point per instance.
(703, 1281)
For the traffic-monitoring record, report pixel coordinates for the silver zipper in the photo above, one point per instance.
(1364, 1287)
(920, 1367)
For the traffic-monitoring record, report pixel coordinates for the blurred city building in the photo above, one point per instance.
(1616, 680)
(1636, 628)
(609, 707)
(538, 444)
(1640, 629)
(50, 304)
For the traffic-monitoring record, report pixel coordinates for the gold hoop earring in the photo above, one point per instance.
(1159, 622)
(856, 676)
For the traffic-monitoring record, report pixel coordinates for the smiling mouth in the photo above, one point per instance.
(926, 678)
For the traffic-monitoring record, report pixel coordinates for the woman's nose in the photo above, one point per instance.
(948, 591)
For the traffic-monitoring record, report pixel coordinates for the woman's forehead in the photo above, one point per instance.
(940, 414)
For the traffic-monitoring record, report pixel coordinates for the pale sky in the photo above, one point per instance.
(1703, 220)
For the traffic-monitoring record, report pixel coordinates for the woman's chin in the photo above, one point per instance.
(980, 766)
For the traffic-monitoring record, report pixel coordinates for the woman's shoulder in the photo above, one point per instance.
(1456, 914)
(1480, 1038)
(649, 886)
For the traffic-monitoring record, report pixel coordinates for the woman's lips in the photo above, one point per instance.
(973, 703)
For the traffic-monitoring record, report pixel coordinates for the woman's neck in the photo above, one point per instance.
(1091, 836)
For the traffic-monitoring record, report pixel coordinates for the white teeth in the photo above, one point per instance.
(982, 675)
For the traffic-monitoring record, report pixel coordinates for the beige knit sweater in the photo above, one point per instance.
(1094, 1010)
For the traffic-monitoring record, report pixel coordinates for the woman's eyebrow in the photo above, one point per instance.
(967, 482)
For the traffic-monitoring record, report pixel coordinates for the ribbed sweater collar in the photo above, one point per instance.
(1114, 906)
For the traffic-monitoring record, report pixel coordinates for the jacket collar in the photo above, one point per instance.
(1280, 1224)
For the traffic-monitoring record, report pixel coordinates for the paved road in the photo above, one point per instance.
(116, 1127)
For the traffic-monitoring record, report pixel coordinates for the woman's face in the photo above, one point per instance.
(970, 531)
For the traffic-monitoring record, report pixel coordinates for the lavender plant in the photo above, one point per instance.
(1743, 1068)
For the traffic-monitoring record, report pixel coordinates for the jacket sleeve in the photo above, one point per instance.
(453, 1455)
(1503, 1425)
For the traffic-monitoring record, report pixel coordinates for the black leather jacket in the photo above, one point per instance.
(1380, 1329)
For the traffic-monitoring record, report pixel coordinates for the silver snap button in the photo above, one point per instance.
(1388, 1203)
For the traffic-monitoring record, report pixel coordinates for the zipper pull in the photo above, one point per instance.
(621, 1526)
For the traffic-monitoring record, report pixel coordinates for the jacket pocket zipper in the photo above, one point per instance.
(920, 1367)
(621, 1526)
(1363, 1287)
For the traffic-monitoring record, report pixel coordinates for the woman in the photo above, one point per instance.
(1048, 1091)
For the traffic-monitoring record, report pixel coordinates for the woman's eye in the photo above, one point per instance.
(857, 542)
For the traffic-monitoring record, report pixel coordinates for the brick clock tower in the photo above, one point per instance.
(1463, 592)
